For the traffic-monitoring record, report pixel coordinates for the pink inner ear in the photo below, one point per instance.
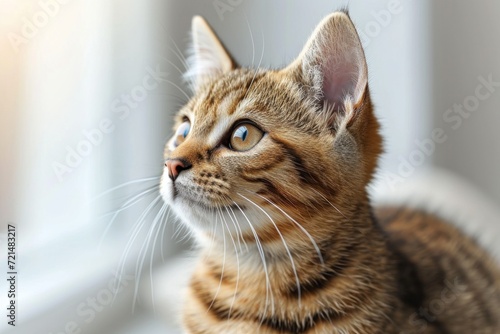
(339, 81)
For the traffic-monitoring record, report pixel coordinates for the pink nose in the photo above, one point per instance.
(175, 167)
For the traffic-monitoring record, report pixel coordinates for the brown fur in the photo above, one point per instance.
(289, 243)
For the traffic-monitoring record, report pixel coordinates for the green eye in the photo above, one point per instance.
(182, 132)
(244, 137)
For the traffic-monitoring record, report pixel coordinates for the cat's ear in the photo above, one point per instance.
(208, 58)
(333, 63)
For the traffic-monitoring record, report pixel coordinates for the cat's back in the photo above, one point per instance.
(453, 283)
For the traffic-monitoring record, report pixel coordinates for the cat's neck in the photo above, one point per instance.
(329, 239)
(348, 261)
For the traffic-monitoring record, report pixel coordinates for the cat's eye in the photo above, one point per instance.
(244, 137)
(182, 132)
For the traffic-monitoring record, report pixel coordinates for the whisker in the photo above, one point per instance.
(269, 292)
(163, 234)
(181, 227)
(134, 200)
(298, 224)
(251, 38)
(143, 253)
(258, 66)
(164, 223)
(179, 88)
(127, 200)
(124, 185)
(138, 227)
(172, 63)
(213, 234)
(237, 265)
(329, 202)
(179, 54)
(119, 197)
(236, 228)
(223, 266)
(239, 228)
(284, 244)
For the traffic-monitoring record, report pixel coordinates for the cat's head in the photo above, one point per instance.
(257, 148)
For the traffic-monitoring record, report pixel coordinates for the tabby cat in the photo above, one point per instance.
(269, 169)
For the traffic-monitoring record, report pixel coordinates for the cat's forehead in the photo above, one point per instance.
(223, 94)
(237, 95)
(244, 90)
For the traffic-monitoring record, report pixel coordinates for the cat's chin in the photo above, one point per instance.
(211, 221)
(194, 214)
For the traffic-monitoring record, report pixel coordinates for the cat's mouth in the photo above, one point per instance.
(186, 195)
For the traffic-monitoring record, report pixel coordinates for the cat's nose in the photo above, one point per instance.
(176, 166)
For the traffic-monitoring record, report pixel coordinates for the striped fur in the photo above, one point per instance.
(289, 242)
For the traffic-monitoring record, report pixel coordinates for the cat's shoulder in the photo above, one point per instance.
(438, 206)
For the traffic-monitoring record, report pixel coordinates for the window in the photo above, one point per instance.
(88, 90)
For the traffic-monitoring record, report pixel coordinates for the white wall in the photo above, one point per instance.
(466, 45)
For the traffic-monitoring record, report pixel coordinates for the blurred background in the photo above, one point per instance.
(87, 92)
